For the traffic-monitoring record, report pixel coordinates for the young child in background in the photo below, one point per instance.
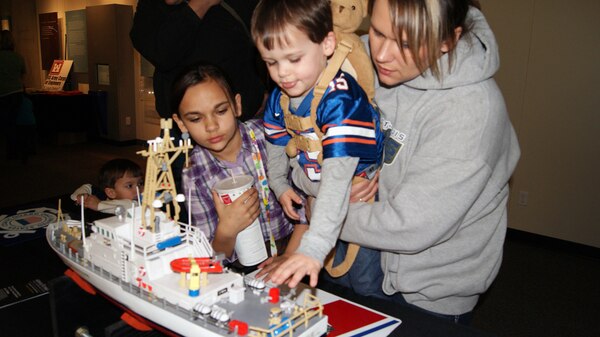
(205, 106)
(119, 179)
(295, 38)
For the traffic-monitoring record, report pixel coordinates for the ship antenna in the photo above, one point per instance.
(189, 224)
(83, 222)
(137, 191)
(132, 229)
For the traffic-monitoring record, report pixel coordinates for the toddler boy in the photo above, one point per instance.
(119, 181)
(332, 143)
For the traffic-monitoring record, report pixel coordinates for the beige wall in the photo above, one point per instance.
(24, 14)
(550, 76)
(24, 25)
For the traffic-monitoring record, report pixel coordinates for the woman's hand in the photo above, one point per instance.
(364, 190)
(287, 200)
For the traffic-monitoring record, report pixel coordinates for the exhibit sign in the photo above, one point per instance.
(77, 40)
(49, 38)
(58, 75)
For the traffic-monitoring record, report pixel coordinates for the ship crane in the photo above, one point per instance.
(159, 189)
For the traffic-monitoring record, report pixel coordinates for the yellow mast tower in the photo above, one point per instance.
(159, 184)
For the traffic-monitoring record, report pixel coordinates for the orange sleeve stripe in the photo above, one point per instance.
(349, 140)
(277, 135)
(274, 127)
(360, 123)
(370, 125)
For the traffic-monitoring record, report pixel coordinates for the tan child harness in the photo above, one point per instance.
(299, 142)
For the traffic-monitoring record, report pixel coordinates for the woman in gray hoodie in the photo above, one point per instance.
(450, 150)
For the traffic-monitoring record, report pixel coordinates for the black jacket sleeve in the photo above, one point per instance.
(166, 35)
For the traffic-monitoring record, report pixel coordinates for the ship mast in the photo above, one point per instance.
(159, 184)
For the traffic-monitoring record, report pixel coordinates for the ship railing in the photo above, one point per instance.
(147, 252)
(311, 308)
(159, 301)
(199, 241)
(127, 286)
(126, 246)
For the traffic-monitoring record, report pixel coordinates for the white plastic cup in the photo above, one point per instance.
(249, 245)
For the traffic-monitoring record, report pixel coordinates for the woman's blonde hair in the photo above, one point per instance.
(429, 24)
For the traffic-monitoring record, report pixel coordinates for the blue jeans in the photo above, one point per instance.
(365, 277)
(464, 319)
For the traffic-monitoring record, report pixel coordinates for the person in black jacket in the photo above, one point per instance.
(173, 34)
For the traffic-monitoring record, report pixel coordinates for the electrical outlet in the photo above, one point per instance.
(523, 198)
(127, 121)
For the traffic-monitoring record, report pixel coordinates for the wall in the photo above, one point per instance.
(62, 6)
(147, 121)
(24, 15)
(109, 45)
(550, 78)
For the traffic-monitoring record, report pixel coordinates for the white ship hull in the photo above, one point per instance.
(180, 319)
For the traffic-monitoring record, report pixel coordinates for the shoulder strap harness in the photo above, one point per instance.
(295, 123)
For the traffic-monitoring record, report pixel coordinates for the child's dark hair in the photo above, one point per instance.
(115, 169)
(197, 74)
(312, 17)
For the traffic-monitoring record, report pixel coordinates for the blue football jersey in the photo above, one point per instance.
(349, 123)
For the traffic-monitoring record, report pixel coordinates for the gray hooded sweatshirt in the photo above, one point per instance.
(443, 190)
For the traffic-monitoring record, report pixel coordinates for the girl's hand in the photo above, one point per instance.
(364, 190)
(238, 215)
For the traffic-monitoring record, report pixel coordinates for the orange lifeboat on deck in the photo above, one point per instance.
(206, 264)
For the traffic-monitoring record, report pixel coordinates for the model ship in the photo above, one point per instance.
(167, 272)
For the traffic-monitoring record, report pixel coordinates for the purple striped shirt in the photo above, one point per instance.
(206, 170)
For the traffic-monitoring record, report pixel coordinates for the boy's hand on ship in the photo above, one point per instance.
(268, 265)
(91, 202)
(293, 268)
(240, 213)
(287, 200)
(78, 199)
(365, 190)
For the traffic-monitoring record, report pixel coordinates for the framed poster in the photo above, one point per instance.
(49, 39)
(77, 40)
(103, 71)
